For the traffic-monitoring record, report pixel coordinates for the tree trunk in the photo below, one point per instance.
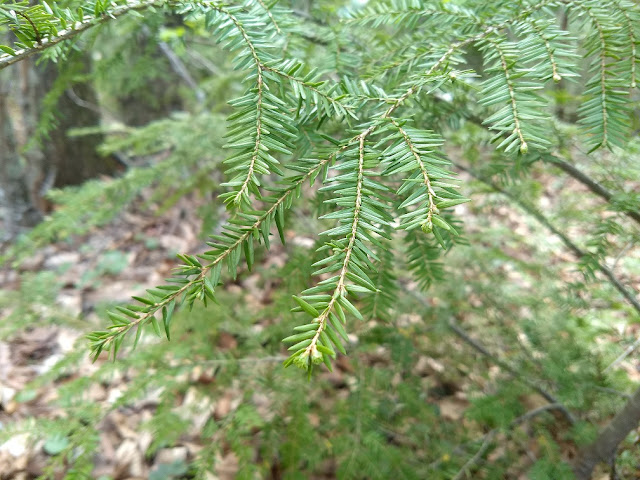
(604, 447)
(18, 177)
(28, 170)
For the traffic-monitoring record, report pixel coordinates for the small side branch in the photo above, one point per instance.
(7, 59)
(512, 96)
(615, 281)
(591, 184)
(273, 20)
(469, 466)
(632, 42)
(505, 366)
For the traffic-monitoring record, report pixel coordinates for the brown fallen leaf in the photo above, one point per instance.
(452, 408)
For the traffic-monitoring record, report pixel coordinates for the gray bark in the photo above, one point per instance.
(18, 173)
(604, 447)
(27, 171)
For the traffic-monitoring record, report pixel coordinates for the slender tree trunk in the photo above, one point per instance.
(28, 169)
(18, 173)
(604, 447)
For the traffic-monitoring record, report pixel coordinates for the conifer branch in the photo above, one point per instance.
(603, 77)
(136, 316)
(273, 20)
(425, 176)
(241, 195)
(242, 191)
(337, 105)
(502, 121)
(488, 30)
(555, 74)
(310, 347)
(632, 43)
(340, 289)
(280, 107)
(75, 27)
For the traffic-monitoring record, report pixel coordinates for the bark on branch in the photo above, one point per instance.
(591, 184)
(603, 449)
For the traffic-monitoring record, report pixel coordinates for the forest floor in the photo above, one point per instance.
(104, 267)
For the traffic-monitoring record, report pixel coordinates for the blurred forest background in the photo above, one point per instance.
(501, 358)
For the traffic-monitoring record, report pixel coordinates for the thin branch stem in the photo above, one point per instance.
(77, 28)
(481, 349)
(615, 281)
(488, 438)
(591, 184)
(465, 471)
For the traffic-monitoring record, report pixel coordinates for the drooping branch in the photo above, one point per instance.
(173, 295)
(340, 289)
(578, 252)
(309, 346)
(590, 183)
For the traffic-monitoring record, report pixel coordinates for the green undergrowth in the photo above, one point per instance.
(382, 413)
